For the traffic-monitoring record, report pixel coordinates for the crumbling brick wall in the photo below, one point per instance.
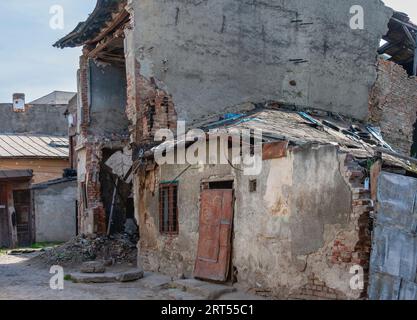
(84, 96)
(393, 105)
(93, 211)
(96, 134)
(149, 108)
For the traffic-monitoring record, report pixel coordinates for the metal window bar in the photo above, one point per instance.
(168, 209)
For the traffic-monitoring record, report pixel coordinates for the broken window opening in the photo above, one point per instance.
(168, 209)
(218, 185)
(253, 185)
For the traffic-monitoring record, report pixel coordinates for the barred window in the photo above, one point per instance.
(168, 209)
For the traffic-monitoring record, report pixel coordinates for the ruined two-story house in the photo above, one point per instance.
(327, 105)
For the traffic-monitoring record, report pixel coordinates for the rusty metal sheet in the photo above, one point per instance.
(274, 150)
(215, 230)
(8, 175)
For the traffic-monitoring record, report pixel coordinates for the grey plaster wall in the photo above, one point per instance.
(108, 100)
(55, 212)
(220, 53)
(284, 231)
(42, 119)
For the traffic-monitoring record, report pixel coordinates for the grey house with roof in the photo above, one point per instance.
(34, 149)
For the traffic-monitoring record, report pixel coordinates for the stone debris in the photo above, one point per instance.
(116, 249)
(93, 267)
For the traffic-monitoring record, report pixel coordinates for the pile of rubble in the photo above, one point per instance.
(115, 249)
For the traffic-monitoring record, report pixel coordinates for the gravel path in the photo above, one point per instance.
(20, 280)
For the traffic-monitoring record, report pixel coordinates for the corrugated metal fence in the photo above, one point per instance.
(393, 266)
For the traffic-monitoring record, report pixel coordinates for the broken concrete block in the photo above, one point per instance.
(129, 276)
(120, 163)
(93, 267)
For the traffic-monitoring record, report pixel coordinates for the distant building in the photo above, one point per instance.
(34, 149)
(56, 98)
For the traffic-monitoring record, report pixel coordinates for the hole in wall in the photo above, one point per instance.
(253, 185)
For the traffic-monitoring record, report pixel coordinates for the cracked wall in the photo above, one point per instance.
(303, 224)
(210, 55)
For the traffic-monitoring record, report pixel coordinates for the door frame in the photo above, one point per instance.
(220, 184)
(29, 224)
(3, 187)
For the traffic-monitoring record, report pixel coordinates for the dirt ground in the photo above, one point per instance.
(21, 279)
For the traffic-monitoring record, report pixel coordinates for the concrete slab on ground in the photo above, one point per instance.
(240, 296)
(206, 290)
(107, 277)
(155, 281)
(180, 294)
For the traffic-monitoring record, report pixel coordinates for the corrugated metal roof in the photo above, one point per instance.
(33, 146)
(15, 174)
(44, 185)
(286, 124)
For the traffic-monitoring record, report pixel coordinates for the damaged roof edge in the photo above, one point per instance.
(91, 27)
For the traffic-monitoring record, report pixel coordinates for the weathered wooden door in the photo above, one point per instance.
(215, 233)
(22, 206)
(4, 219)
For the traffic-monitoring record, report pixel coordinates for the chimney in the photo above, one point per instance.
(19, 102)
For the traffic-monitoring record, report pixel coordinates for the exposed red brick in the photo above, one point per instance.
(393, 105)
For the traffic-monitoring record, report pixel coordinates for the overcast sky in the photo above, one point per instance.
(407, 6)
(29, 63)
